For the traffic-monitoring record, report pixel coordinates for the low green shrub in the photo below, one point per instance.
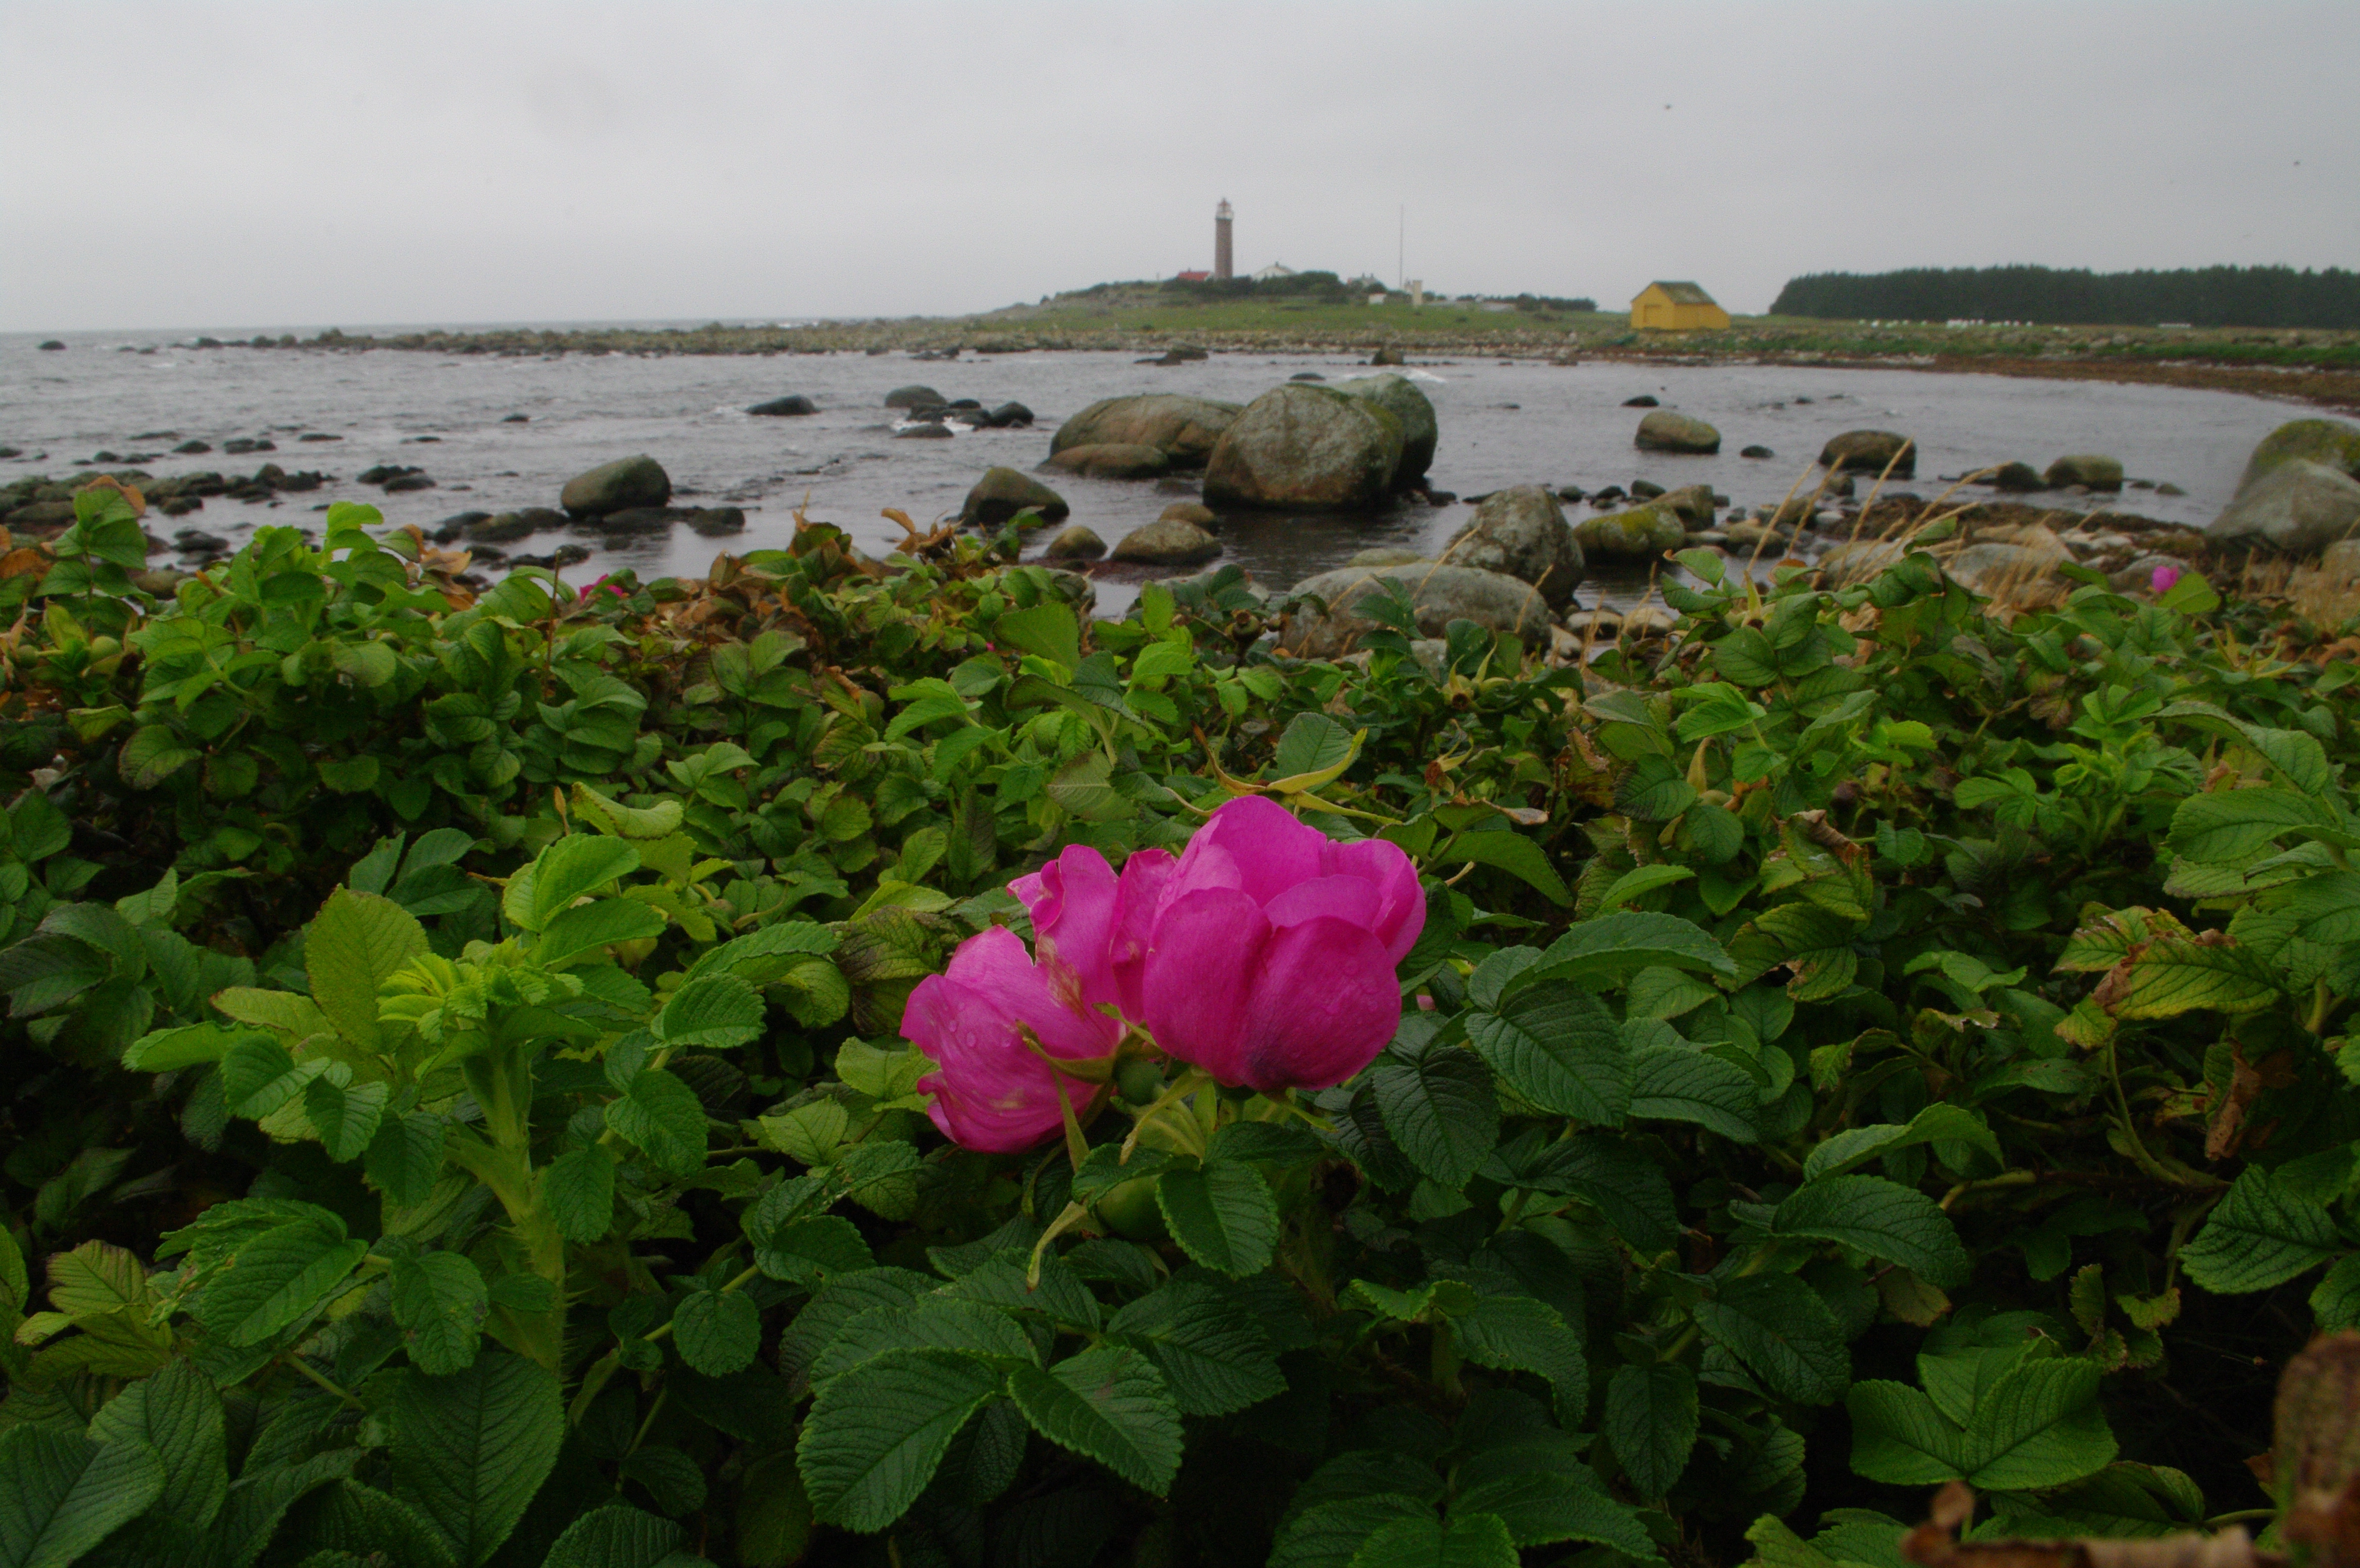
(457, 1110)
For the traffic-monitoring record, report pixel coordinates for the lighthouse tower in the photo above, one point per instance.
(1222, 267)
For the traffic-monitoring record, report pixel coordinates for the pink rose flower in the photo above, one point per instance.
(2162, 578)
(993, 1091)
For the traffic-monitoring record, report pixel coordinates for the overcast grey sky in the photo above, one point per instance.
(335, 162)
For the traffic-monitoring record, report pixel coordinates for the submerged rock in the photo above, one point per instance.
(2297, 506)
(793, 404)
(1387, 555)
(1400, 396)
(1755, 452)
(1869, 451)
(628, 482)
(1188, 511)
(1077, 543)
(1307, 448)
(2085, 468)
(1522, 533)
(1182, 428)
(1665, 430)
(1002, 493)
(2017, 478)
(924, 432)
(1111, 460)
(1167, 543)
(1439, 596)
(915, 397)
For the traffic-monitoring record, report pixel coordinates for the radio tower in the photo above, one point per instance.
(1222, 267)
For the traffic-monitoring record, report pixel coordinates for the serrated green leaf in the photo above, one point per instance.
(2260, 1234)
(1674, 1084)
(1941, 1122)
(1597, 954)
(177, 1413)
(2038, 1426)
(1438, 1104)
(590, 927)
(1462, 1540)
(1785, 1333)
(616, 1535)
(352, 945)
(1651, 1423)
(277, 1278)
(1559, 1048)
(579, 1188)
(1049, 629)
(1110, 1404)
(61, 1494)
(2175, 975)
(875, 1436)
(931, 1322)
(1898, 1436)
(1212, 1352)
(1511, 851)
(1517, 1333)
(1328, 1534)
(440, 1299)
(2232, 825)
(1546, 1495)
(472, 1448)
(1222, 1214)
(664, 1118)
(405, 1157)
(1882, 1219)
(576, 865)
(718, 1331)
(346, 1116)
(713, 1012)
(810, 1250)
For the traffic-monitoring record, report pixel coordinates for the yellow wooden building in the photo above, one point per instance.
(1676, 307)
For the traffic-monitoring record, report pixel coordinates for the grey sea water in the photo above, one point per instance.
(1501, 423)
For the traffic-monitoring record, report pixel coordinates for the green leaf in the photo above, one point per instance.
(2326, 908)
(579, 1188)
(593, 926)
(177, 1413)
(1545, 1497)
(169, 1050)
(664, 1118)
(2038, 1426)
(346, 1117)
(61, 1494)
(1438, 1104)
(1938, 1122)
(573, 867)
(876, 1434)
(643, 822)
(1212, 1352)
(440, 1299)
(1462, 1540)
(258, 1076)
(1110, 1404)
(713, 1012)
(1222, 1214)
(471, 1448)
(2176, 975)
(1560, 1049)
(277, 1278)
(1597, 954)
(352, 945)
(1639, 881)
(616, 1535)
(1898, 1436)
(1312, 743)
(406, 1157)
(1882, 1219)
(151, 755)
(1508, 851)
(934, 1323)
(718, 1332)
(1517, 1333)
(1783, 1331)
(1651, 1423)
(1675, 1084)
(1049, 629)
(2232, 825)
(1327, 1534)
(2260, 1234)
(810, 1250)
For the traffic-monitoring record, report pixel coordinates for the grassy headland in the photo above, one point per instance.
(2310, 366)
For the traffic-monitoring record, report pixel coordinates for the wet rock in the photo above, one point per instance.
(793, 404)
(924, 430)
(1570, 493)
(247, 444)
(714, 523)
(1522, 534)
(1695, 503)
(1182, 428)
(508, 526)
(518, 419)
(1194, 512)
(2087, 470)
(1010, 416)
(1645, 490)
(1857, 563)
(1871, 451)
(1306, 376)
(1307, 448)
(1387, 555)
(42, 514)
(1644, 400)
(1388, 355)
(2168, 488)
(1002, 493)
(1400, 396)
(1440, 595)
(197, 542)
(318, 435)
(1169, 542)
(2017, 478)
(638, 519)
(52, 346)
(452, 529)
(563, 555)
(1641, 534)
(1665, 430)
(1755, 452)
(1992, 566)
(1111, 460)
(914, 396)
(1750, 536)
(626, 482)
(401, 483)
(191, 448)
(2331, 442)
(2297, 506)
(1077, 542)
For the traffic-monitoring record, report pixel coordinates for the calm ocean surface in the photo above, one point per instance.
(1502, 423)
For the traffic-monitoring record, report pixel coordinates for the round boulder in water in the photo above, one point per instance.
(792, 404)
(2329, 442)
(1167, 543)
(1522, 533)
(1639, 534)
(1002, 493)
(1077, 543)
(2297, 506)
(1871, 450)
(1665, 430)
(1307, 448)
(1400, 396)
(628, 482)
(915, 397)
(1182, 428)
(1438, 595)
(2085, 468)
(1111, 460)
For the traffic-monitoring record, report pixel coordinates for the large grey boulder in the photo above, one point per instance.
(1869, 451)
(790, 406)
(2085, 468)
(1182, 428)
(1522, 534)
(1400, 396)
(613, 486)
(1111, 460)
(1077, 542)
(1641, 534)
(1663, 431)
(1307, 448)
(1859, 561)
(915, 397)
(1002, 493)
(2297, 506)
(1167, 543)
(2001, 559)
(2331, 442)
(1439, 596)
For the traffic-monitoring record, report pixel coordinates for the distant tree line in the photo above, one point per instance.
(1323, 287)
(2201, 296)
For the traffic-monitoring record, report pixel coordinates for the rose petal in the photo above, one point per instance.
(1073, 923)
(1401, 902)
(1351, 899)
(1325, 1003)
(990, 1091)
(1147, 879)
(1198, 978)
(1010, 988)
(1271, 849)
